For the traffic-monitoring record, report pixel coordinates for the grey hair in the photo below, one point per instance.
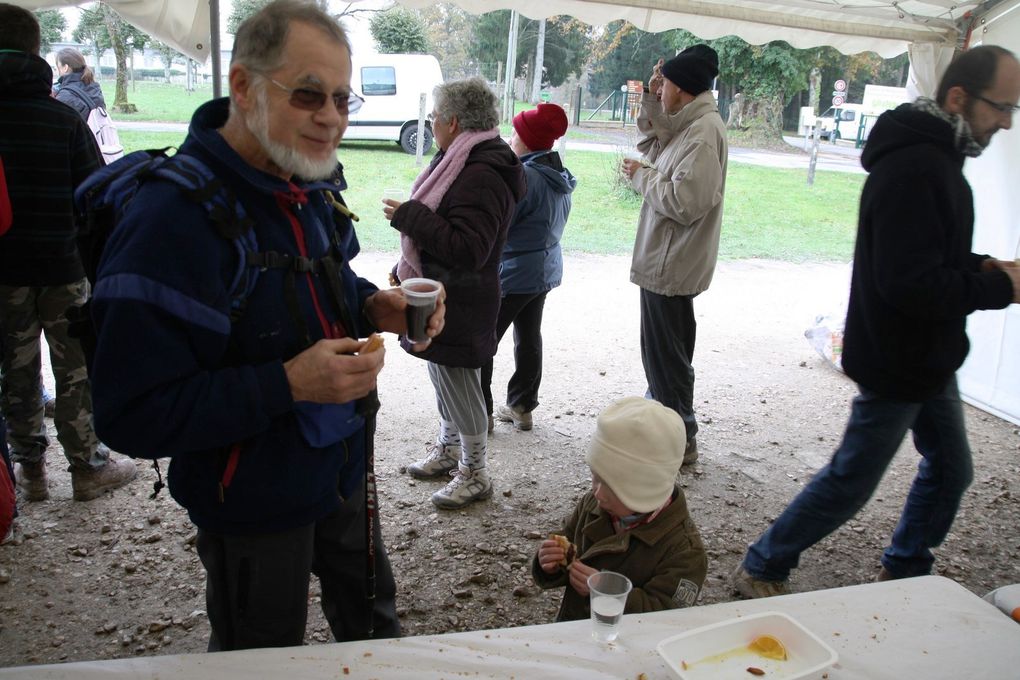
(471, 101)
(260, 39)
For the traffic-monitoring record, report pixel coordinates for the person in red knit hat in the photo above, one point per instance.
(532, 262)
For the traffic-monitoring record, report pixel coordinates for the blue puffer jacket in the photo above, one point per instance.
(173, 376)
(532, 258)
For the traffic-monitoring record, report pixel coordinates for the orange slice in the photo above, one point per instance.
(768, 647)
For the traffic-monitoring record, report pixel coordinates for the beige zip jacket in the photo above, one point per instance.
(682, 183)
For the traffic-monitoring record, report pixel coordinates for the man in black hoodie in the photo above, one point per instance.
(914, 283)
(47, 151)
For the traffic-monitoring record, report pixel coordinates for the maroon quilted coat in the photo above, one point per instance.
(461, 245)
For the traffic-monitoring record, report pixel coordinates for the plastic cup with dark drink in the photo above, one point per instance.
(421, 296)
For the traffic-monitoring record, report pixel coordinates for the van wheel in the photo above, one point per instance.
(409, 139)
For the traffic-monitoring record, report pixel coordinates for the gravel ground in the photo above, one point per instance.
(119, 577)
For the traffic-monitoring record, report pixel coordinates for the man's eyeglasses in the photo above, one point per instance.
(432, 117)
(313, 100)
(1008, 109)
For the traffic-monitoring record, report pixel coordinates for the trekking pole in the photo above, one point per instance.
(368, 407)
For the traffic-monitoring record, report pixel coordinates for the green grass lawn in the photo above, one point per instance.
(770, 213)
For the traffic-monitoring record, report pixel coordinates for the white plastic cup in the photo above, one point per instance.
(421, 296)
(608, 591)
(397, 195)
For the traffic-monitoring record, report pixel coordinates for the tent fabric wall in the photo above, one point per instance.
(883, 26)
(990, 378)
(183, 24)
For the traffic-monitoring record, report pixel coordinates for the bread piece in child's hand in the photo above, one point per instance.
(569, 550)
(374, 342)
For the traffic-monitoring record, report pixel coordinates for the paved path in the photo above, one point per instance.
(835, 157)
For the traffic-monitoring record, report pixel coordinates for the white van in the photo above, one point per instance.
(391, 85)
(841, 122)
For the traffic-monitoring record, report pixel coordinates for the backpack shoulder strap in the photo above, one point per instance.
(80, 92)
(230, 220)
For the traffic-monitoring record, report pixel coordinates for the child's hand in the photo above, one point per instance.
(550, 556)
(579, 573)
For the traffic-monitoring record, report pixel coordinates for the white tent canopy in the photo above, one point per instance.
(182, 24)
(883, 26)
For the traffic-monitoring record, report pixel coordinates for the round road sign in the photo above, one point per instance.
(837, 101)
(841, 85)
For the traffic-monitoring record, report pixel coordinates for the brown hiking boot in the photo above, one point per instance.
(89, 484)
(690, 452)
(31, 477)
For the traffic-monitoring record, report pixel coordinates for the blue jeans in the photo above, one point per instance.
(876, 427)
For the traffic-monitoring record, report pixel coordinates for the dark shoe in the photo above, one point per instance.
(520, 419)
(754, 588)
(31, 477)
(492, 423)
(884, 575)
(90, 484)
(49, 406)
(691, 452)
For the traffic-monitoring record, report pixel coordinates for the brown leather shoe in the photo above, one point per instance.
(90, 484)
(31, 477)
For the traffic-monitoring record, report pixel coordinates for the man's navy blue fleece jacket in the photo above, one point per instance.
(173, 376)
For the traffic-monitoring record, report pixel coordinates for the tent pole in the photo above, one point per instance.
(214, 48)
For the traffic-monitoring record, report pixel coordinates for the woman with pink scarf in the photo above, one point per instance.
(453, 230)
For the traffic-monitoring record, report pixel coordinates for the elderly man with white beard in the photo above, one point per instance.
(259, 402)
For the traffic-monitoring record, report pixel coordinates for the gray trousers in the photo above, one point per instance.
(668, 331)
(459, 397)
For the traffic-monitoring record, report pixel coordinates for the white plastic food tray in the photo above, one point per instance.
(720, 650)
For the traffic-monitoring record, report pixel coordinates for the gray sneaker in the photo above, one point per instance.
(754, 588)
(89, 484)
(467, 486)
(31, 477)
(520, 419)
(439, 461)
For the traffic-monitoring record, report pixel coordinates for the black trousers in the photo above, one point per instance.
(668, 331)
(257, 586)
(524, 311)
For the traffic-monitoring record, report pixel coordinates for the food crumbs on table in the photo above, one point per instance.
(642, 676)
(367, 654)
(347, 671)
(683, 664)
(755, 671)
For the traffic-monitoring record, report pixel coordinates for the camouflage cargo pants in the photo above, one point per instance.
(25, 313)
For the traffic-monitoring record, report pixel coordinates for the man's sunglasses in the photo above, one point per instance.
(313, 100)
(1008, 109)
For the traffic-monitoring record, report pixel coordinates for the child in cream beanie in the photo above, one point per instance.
(634, 521)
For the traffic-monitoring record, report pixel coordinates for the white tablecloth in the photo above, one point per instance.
(923, 628)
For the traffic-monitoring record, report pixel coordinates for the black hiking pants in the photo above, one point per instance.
(257, 586)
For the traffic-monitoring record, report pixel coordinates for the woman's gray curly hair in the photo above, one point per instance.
(471, 101)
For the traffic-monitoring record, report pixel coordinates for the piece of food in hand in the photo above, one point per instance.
(569, 550)
(374, 342)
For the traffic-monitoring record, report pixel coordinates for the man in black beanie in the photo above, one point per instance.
(682, 176)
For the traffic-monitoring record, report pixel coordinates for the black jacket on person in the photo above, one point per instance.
(915, 279)
(461, 245)
(47, 151)
(69, 91)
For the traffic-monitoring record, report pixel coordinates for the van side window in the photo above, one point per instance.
(378, 81)
(848, 115)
